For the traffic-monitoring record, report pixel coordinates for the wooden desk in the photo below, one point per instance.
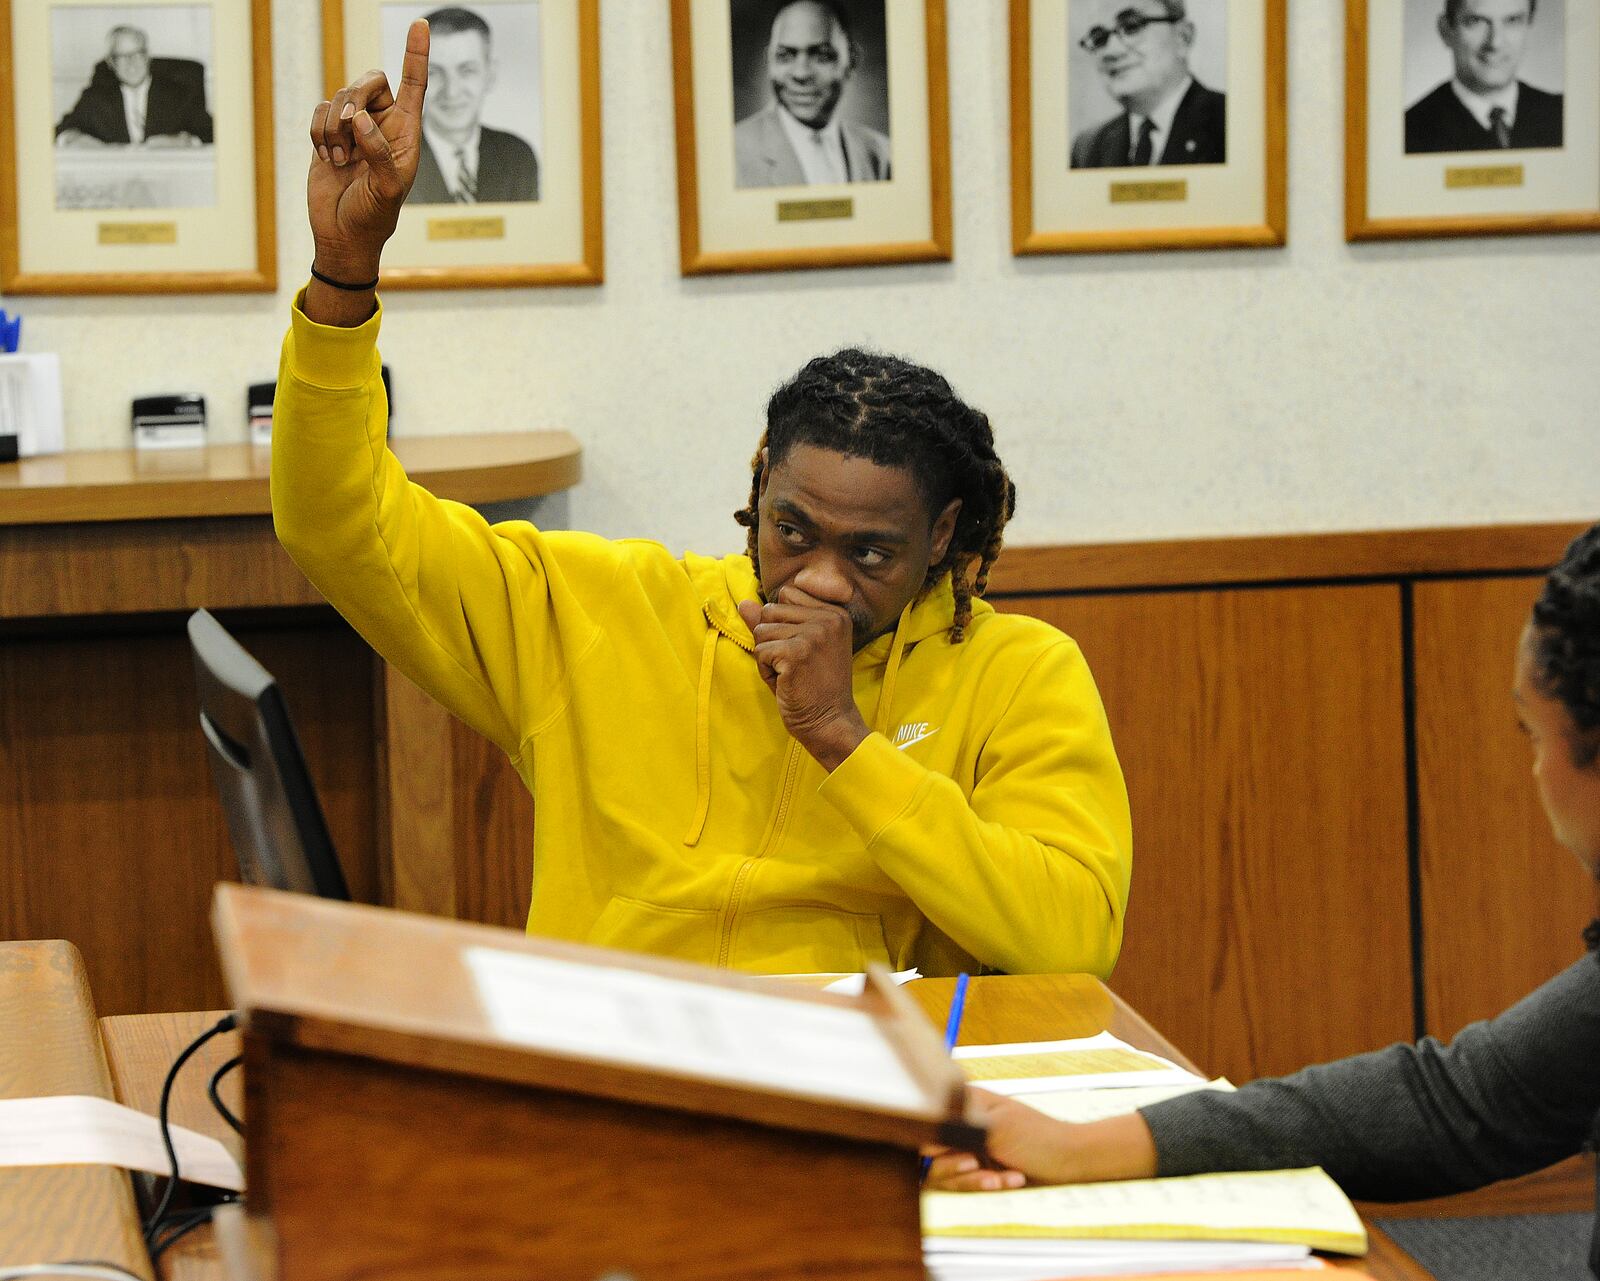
(110, 829)
(999, 1008)
(117, 532)
(49, 1045)
(140, 1048)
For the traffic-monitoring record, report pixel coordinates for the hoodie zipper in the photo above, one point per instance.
(780, 820)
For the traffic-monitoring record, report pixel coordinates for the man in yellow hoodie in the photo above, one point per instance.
(822, 753)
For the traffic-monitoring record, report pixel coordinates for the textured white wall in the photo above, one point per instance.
(1314, 388)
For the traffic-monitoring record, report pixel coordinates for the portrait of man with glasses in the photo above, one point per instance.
(132, 98)
(1141, 52)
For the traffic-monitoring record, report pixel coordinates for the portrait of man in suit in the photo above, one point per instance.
(801, 137)
(135, 100)
(1141, 51)
(1486, 105)
(463, 160)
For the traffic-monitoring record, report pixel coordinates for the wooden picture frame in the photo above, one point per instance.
(746, 202)
(188, 208)
(1075, 189)
(1413, 165)
(538, 218)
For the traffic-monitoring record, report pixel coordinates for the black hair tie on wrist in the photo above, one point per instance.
(340, 284)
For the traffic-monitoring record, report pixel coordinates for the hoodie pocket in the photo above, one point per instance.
(687, 933)
(807, 938)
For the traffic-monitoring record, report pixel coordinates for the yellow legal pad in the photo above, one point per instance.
(1009, 1067)
(1300, 1207)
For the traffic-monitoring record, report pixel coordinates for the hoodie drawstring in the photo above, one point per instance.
(702, 719)
(880, 715)
(702, 741)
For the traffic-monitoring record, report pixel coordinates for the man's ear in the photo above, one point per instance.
(1186, 33)
(944, 529)
(1444, 27)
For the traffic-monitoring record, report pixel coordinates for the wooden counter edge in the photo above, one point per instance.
(467, 468)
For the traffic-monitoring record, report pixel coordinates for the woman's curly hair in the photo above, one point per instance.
(898, 414)
(1566, 641)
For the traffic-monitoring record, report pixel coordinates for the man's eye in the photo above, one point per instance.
(789, 533)
(784, 55)
(826, 56)
(871, 557)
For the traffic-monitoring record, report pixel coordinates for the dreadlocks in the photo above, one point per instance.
(897, 414)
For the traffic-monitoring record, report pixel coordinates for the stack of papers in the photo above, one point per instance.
(1092, 1063)
(1229, 1224)
(956, 1259)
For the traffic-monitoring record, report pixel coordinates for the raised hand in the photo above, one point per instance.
(366, 140)
(804, 647)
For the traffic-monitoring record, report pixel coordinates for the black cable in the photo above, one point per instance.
(225, 1024)
(181, 1226)
(216, 1100)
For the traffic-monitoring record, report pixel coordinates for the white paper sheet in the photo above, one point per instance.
(78, 1129)
(1089, 1063)
(998, 1259)
(694, 1029)
(856, 984)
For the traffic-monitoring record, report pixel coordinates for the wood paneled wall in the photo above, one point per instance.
(1269, 922)
(111, 834)
(1335, 833)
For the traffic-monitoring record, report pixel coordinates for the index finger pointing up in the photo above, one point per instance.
(414, 71)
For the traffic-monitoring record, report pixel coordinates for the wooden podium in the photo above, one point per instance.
(432, 1099)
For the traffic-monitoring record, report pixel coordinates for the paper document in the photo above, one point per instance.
(1082, 1106)
(856, 984)
(79, 1129)
(1090, 1063)
(1305, 1207)
(844, 984)
(1001, 1259)
(692, 1029)
(1006, 1271)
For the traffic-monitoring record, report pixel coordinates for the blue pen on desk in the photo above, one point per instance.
(10, 333)
(952, 1030)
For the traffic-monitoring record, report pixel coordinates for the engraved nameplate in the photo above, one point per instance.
(1459, 176)
(466, 228)
(138, 233)
(1143, 193)
(814, 210)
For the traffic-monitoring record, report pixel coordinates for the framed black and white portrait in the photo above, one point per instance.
(810, 96)
(810, 132)
(1141, 124)
(483, 122)
(1467, 117)
(141, 152)
(508, 183)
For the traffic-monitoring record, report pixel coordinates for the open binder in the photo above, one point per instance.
(428, 1098)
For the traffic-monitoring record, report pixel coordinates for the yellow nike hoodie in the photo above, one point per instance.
(983, 824)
